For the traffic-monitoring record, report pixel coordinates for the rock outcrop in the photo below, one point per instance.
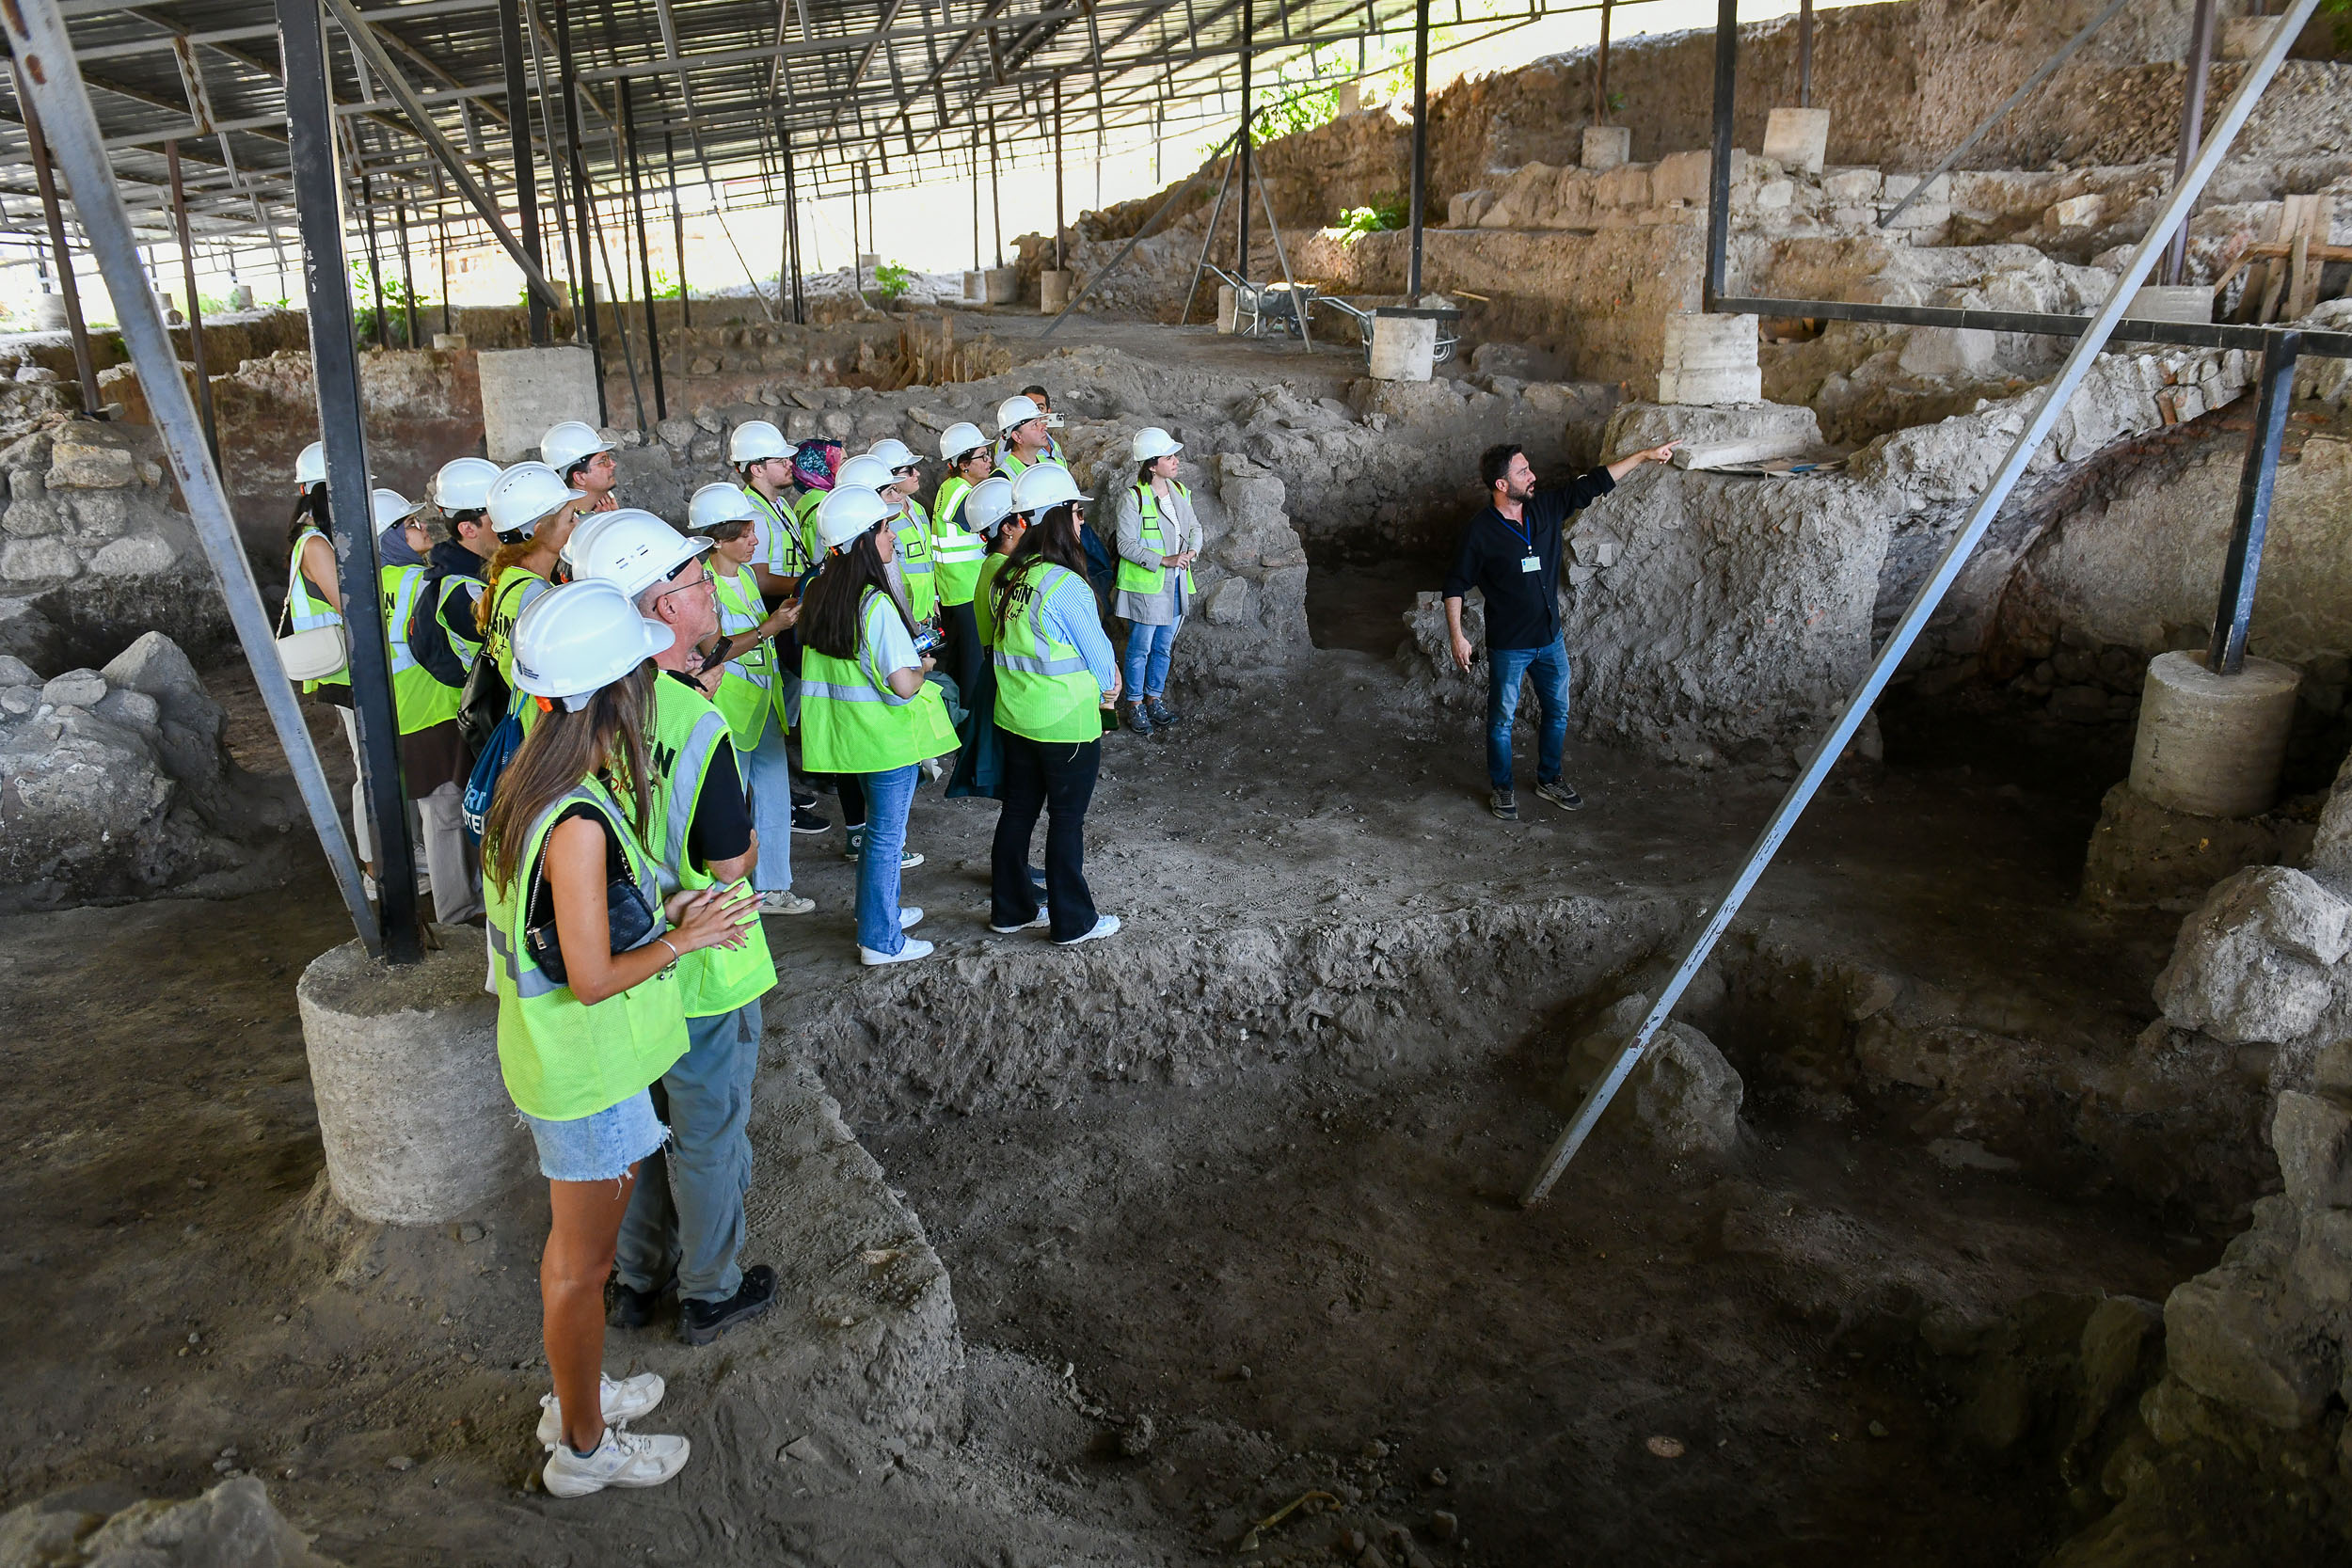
(232, 1524)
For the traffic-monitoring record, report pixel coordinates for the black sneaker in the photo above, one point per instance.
(803, 800)
(1560, 792)
(627, 1307)
(1162, 715)
(701, 1322)
(805, 821)
(1504, 804)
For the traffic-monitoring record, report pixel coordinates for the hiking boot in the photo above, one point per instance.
(623, 1401)
(1560, 792)
(701, 1322)
(1136, 717)
(623, 1459)
(1162, 715)
(626, 1306)
(1504, 804)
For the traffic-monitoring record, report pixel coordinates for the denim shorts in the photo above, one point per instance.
(598, 1148)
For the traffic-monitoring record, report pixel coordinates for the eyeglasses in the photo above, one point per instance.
(702, 579)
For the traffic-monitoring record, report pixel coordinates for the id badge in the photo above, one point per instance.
(1531, 564)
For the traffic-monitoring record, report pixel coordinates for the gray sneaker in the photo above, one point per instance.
(1560, 792)
(1504, 804)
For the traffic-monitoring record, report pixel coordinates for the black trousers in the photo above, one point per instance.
(1057, 778)
(964, 652)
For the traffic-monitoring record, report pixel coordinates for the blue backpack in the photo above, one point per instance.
(483, 782)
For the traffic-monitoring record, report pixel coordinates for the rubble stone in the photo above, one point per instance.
(1682, 1098)
(2251, 964)
(2311, 1134)
(234, 1523)
(2231, 1341)
(91, 466)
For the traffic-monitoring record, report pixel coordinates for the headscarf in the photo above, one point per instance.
(816, 461)
(392, 547)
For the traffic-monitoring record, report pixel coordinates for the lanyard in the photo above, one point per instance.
(1525, 535)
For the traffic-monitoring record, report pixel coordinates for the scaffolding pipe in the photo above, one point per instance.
(1419, 216)
(1939, 582)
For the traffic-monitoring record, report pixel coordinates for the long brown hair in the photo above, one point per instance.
(1053, 537)
(607, 736)
(830, 610)
(506, 555)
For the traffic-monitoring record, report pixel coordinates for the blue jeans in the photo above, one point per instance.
(888, 798)
(1505, 668)
(686, 1216)
(1148, 648)
(767, 782)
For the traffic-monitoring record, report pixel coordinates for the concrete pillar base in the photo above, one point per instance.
(1797, 138)
(1606, 147)
(449, 343)
(1053, 290)
(49, 313)
(2144, 857)
(525, 391)
(976, 288)
(1003, 285)
(2212, 745)
(404, 1063)
(1710, 359)
(1404, 348)
(1228, 303)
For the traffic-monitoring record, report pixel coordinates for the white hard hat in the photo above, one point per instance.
(988, 504)
(719, 504)
(464, 484)
(849, 511)
(569, 443)
(866, 470)
(1014, 410)
(311, 465)
(1042, 486)
(893, 451)
(958, 439)
(633, 550)
(390, 506)
(574, 640)
(756, 441)
(524, 494)
(583, 533)
(1152, 442)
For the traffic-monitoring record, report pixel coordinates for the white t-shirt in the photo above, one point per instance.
(886, 646)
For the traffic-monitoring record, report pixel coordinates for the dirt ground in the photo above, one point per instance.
(1306, 1283)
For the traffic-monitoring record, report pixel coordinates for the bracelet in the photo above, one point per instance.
(675, 956)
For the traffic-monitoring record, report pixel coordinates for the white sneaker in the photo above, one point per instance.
(786, 902)
(909, 916)
(1045, 918)
(913, 950)
(1105, 925)
(623, 1459)
(624, 1401)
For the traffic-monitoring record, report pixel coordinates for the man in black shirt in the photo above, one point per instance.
(1511, 553)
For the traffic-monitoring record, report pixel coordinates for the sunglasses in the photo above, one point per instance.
(906, 470)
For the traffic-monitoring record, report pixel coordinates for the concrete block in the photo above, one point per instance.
(2159, 302)
(415, 1117)
(449, 343)
(1710, 359)
(976, 287)
(526, 391)
(1606, 147)
(1682, 177)
(1798, 138)
(240, 296)
(49, 313)
(1003, 285)
(1053, 290)
(1404, 348)
(1783, 427)
(2212, 745)
(1351, 98)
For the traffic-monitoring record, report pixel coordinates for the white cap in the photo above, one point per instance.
(864, 469)
(893, 451)
(572, 642)
(849, 511)
(464, 484)
(960, 439)
(1016, 410)
(524, 494)
(1152, 442)
(989, 504)
(756, 441)
(1042, 486)
(719, 504)
(569, 443)
(633, 550)
(311, 465)
(390, 506)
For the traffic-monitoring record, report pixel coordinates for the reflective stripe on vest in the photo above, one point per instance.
(516, 587)
(1043, 688)
(305, 610)
(956, 549)
(686, 732)
(468, 647)
(420, 701)
(1134, 578)
(914, 529)
(787, 556)
(748, 690)
(848, 725)
(562, 1059)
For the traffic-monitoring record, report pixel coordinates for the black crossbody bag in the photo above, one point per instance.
(632, 924)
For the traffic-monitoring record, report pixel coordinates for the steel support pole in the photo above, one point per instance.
(375, 264)
(196, 304)
(1059, 219)
(1805, 54)
(792, 229)
(995, 192)
(335, 370)
(1718, 165)
(1419, 216)
(677, 233)
(1138, 238)
(1240, 231)
(645, 249)
(526, 168)
(1600, 71)
(77, 329)
(2243, 564)
(408, 272)
(585, 278)
(1939, 582)
(2201, 31)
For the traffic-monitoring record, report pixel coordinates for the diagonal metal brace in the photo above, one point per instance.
(1923, 604)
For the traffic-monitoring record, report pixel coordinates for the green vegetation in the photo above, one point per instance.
(397, 301)
(1386, 213)
(891, 280)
